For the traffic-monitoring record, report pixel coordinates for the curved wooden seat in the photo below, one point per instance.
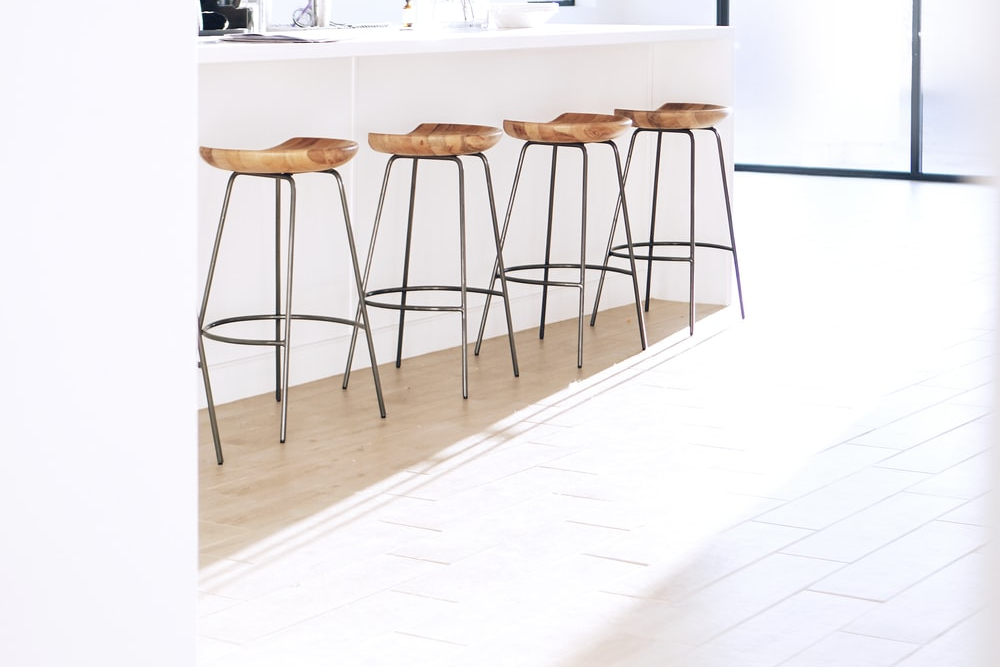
(677, 116)
(570, 128)
(437, 139)
(298, 155)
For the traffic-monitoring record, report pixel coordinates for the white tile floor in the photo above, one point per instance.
(814, 485)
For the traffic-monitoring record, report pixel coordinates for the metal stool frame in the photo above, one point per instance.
(462, 288)
(282, 317)
(650, 255)
(582, 266)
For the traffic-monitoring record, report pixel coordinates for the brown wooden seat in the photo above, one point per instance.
(436, 142)
(570, 128)
(574, 132)
(676, 116)
(437, 139)
(299, 155)
(684, 118)
(280, 164)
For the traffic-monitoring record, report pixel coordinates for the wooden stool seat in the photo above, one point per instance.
(299, 155)
(570, 128)
(437, 139)
(677, 116)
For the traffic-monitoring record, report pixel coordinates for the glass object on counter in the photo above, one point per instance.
(305, 16)
(470, 14)
(293, 14)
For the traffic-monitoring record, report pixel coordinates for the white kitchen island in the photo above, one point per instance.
(390, 80)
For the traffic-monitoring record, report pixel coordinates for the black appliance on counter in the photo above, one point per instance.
(221, 17)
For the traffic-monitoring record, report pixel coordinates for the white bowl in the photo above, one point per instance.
(522, 14)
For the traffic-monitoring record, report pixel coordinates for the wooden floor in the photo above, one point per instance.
(814, 485)
(337, 444)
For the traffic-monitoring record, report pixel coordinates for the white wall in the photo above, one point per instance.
(98, 481)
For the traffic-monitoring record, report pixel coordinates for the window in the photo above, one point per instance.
(895, 88)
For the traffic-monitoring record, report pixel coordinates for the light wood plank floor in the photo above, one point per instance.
(337, 444)
(814, 485)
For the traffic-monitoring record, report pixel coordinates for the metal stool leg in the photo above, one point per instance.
(620, 174)
(286, 341)
(729, 219)
(368, 264)
(549, 245)
(278, 288)
(202, 362)
(691, 234)
(503, 237)
(611, 232)
(653, 219)
(362, 312)
(462, 276)
(406, 263)
(203, 365)
(498, 271)
(583, 258)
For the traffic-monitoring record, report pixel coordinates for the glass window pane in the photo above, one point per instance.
(823, 84)
(959, 78)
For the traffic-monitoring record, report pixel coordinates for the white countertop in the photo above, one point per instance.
(396, 41)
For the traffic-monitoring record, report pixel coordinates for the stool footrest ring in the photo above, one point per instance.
(556, 283)
(617, 251)
(208, 333)
(402, 291)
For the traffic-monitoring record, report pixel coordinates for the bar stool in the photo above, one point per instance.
(674, 118)
(431, 142)
(576, 131)
(281, 163)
